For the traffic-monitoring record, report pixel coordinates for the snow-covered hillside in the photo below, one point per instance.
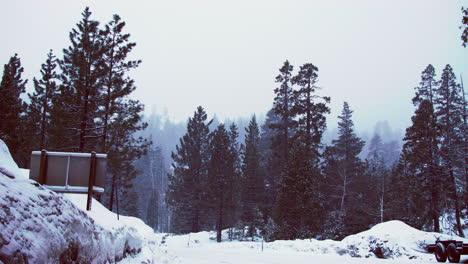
(41, 226)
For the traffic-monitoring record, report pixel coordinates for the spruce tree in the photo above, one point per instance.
(187, 190)
(39, 110)
(449, 111)
(12, 125)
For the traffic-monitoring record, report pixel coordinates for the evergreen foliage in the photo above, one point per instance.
(82, 71)
(342, 169)
(12, 110)
(39, 110)
(449, 112)
(187, 190)
(253, 182)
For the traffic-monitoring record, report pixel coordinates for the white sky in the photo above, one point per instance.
(224, 55)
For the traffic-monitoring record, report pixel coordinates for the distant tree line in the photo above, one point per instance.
(80, 102)
(283, 182)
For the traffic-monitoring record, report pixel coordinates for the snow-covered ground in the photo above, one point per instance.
(41, 226)
(393, 240)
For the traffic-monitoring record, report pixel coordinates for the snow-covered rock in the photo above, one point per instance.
(41, 226)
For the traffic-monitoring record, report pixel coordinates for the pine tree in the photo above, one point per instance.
(300, 206)
(311, 113)
(270, 146)
(253, 182)
(12, 125)
(425, 90)
(39, 110)
(187, 184)
(420, 159)
(449, 111)
(82, 71)
(342, 165)
(119, 116)
(233, 175)
(124, 148)
(283, 107)
(218, 172)
(115, 82)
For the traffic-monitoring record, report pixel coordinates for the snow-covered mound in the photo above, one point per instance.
(8, 166)
(41, 226)
(390, 240)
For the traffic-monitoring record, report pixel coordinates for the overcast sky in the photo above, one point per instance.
(224, 55)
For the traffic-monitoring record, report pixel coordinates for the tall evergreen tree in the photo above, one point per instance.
(253, 182)
(283, 107)
(187, 191)
(116, 64)
(12, 109)
(342, 166)
(233, 175)
(218, 181)
(420, 158)
(82, 71)
(449, 111)
(311, 113)
(427, 86)
(119, 116)
(270, 146)
(39, 110)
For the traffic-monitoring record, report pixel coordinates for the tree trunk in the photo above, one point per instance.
(220, 218)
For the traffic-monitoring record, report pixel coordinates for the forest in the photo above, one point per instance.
(275, 176)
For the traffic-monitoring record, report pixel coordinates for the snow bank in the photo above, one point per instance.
(41, 226)
(7, 165)
(390, 240)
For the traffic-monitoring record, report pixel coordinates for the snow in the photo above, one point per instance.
(7, 165)
(41, 226)
(394, 240)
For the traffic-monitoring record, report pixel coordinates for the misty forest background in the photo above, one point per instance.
(282, 175)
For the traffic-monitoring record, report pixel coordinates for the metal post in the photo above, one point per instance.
(92, 179)
(43, 167)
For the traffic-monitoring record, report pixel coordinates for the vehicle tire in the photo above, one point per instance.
(452, 253)
(440, 252)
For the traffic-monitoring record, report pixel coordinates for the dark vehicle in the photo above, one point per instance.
(448, 249)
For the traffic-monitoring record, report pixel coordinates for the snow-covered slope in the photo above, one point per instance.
(41, 226)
